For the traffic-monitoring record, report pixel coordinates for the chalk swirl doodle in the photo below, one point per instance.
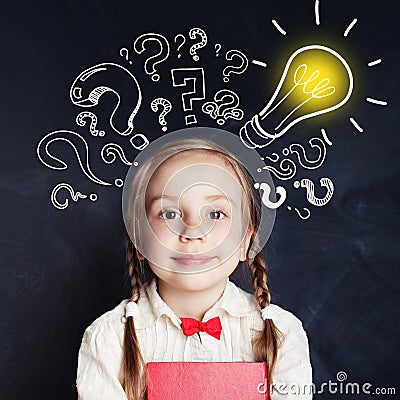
(274, 157)
(287, 166)
(287, 169)
(79, 145)
(110, 151)
(304, 161)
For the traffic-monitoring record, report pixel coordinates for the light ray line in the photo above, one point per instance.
(375, 101)
(316, 9)
(277, 26)
(260, 63)
(375, 62)
(358, 127)
(325, 136)
(346, 32)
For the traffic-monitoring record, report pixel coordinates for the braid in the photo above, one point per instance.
(265, 345)
(133, 270)
(260, 278)
(133, 373)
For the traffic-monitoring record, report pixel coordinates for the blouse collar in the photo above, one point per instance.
(234, 301)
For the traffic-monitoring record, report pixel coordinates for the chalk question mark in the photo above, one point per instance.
(309, 185)
(308, 213)
(126, 56)
(192, 79)
(150, 63)
(179, 35)
(91, 84)
(203, 41)
(75, 196)
(267, 191)
(229, 108)
(217, 48)
(166, 106)
(80, 120)
(225, 106)
(232, 69)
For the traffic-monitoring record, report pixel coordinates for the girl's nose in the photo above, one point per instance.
(196, 233)
(193, 228)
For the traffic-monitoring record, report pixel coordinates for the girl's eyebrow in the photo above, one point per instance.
(211, 197)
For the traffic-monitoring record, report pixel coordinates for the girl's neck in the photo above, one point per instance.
(190, 304)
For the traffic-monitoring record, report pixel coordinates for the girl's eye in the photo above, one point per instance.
(172, 214)
(217, 215)
(169, 214)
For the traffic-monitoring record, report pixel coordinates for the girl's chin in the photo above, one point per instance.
(187, 266)
(194, 283)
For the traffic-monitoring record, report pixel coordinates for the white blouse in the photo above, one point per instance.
(161, 338)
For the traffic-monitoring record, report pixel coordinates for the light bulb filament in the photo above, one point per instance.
(316, 91)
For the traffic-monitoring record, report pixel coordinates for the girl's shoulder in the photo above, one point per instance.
(112, 315)
(114, 319)
(110, 321)
(284, 319)
(105, 332)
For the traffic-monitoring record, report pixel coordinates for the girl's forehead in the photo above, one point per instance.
(182, 160)
(194, 156)
(190, 168)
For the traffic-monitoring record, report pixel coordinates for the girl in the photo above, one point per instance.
(192, 216)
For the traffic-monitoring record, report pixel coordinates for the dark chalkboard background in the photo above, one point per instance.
(60, 270)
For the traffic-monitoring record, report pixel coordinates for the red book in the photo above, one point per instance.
(207, 381)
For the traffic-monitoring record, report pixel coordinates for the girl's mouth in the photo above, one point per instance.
(192, 260)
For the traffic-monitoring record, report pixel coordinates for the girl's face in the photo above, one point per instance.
(196, 228)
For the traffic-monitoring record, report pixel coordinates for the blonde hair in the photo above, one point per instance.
(265, 344)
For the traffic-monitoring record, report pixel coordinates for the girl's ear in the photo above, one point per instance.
(139, 256)
(245, 244)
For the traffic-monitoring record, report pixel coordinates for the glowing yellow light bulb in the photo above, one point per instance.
(316, 80)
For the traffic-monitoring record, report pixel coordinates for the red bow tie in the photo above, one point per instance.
(213, 326)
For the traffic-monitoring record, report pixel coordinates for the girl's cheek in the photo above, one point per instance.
(161, 229)
(155, 220)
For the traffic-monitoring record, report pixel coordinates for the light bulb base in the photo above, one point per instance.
(254, 136)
